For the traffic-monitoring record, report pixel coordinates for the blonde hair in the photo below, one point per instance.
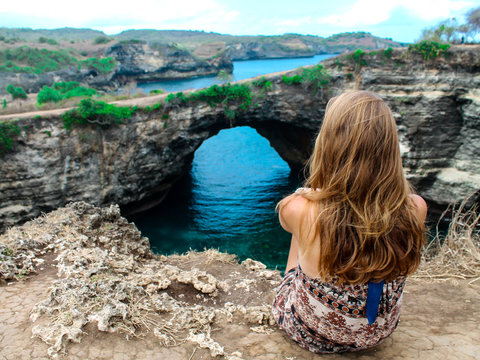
(364, 218)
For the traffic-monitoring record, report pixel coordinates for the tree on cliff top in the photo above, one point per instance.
(449, 31)
(473, 19)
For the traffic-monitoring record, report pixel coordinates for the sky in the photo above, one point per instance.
(401, 20)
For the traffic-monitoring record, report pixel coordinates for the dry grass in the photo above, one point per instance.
(455, 255)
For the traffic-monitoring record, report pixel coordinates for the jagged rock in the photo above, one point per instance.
(178, 298)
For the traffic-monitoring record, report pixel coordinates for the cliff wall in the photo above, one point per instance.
(435, 104)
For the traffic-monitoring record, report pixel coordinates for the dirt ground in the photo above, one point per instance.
(440, 320)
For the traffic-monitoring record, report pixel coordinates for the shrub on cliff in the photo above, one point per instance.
(226, 94)
(429, 49)
(9, 132)
(103, 65)
(17, 92)
(316, 78)
(358, 57)
(96, 112)
(263, 83)
(25, 59)
(63, 90)
(43, 40)
(101, 40)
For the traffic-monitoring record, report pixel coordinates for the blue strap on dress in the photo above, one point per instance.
(374, 294)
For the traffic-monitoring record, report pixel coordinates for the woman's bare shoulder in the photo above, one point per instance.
(420, 205)
(291, 212)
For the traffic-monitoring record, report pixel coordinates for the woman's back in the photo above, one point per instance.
(357, 232)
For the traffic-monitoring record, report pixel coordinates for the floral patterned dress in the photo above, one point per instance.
(325, 318)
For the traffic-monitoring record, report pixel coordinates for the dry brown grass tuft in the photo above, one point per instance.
(455, 255)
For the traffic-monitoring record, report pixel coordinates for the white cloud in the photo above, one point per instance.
(142, 13)
(372, 12)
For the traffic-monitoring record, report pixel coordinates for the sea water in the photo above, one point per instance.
(227, 201)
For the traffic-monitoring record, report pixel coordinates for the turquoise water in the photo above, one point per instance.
(241, 70)
(227, 201)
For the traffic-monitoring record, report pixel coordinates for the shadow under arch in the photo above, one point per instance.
(225, 201)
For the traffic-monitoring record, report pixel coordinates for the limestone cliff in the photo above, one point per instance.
(144, 63)
(435, 103)
(258, 50)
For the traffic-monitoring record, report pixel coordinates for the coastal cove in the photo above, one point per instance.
(242, 70)
(136, 163)
(227, 199)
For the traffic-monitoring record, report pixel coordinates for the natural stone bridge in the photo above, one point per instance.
(435, 102)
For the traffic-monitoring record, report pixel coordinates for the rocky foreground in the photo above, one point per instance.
(81, 282)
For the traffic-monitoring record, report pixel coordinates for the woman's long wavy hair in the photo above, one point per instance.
(364, 218)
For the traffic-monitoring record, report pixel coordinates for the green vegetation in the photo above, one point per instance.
(339, 64)
(156, 91)
(225, 94)
(17, 92)
(358, 57)
(25, 59)
(103, 65)
(263, 83)
(154, 107)
(101, 40)
(224, 76)
(316, 77)
(132, 41)
(429, 49)
(179, 95)
(9, 132)
(450, 31)
(292, 80)
(4, 103)
(387, 53)
(96, 112)
(43, 40)
(63, 90)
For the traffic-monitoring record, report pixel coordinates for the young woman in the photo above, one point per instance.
(357, 232)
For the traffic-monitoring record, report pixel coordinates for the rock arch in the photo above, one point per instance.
(435, 104)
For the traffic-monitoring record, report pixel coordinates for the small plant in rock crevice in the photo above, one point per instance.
(9, 132)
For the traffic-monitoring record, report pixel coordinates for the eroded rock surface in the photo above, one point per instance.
(109, 278)
(142, 62)
(99, 293)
